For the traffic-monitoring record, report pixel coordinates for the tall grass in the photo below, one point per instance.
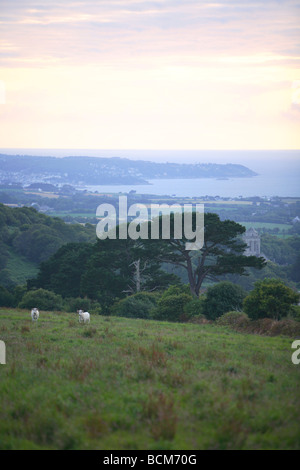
(133, 384)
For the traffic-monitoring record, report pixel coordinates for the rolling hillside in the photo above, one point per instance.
(28, 237)
(91, 170)
(134, 384)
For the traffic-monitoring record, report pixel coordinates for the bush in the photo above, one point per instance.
(270, 327)
(90, 332)
(42, 299)
(172, 303)
(221, 298)
(270, 298)
(236, 319)
(74, 304)
(295, 313)
(239, 321)
(139, 305)
(194, 308)
(71, 305)
(95, 308)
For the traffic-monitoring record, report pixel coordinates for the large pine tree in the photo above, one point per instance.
(222, 252)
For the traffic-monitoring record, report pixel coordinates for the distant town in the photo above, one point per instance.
(94, 171)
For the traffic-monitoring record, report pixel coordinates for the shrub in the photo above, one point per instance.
(42, 299)
(236, 319)
(90, 332)
(194, 308)
(172, 303)
(221, 298)
(139, 305)
(95, 308)
(264, 326)
(270, 298)
(295, 313)
(199, 320)
(270, 327)
(71, 305)
(74, 304)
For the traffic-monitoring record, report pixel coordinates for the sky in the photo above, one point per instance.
(139, 74)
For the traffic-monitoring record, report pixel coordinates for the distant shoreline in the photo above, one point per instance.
(110, 170)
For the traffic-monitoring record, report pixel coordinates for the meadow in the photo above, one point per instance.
(138, 384)
(283, 228)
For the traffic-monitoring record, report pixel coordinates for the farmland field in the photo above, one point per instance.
(138, 384)
(267, 225)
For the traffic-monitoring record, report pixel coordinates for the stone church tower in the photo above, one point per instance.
(252, 239)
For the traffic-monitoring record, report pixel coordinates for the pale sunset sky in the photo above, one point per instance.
(141, 74)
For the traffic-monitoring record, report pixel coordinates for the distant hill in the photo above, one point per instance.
(27, 238)
(94, 171)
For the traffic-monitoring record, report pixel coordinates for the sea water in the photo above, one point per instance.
(278, 171)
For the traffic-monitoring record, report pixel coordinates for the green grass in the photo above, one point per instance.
(136, 384)
(267, 225)
(74, 214)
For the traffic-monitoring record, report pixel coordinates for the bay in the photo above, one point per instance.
(278, 171)
(261, 185)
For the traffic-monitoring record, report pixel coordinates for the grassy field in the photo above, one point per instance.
(90, 215)
(283, 228)
(267, 225)
(138, 384)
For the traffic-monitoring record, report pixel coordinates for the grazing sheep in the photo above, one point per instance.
(83, 316)
(35, 314)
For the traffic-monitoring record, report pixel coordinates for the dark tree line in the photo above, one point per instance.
(111, 269)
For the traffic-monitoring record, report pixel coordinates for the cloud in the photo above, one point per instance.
(159, 72)
(160, 28)
(296, 93)
(2, 92)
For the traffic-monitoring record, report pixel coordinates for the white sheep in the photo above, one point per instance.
(35, 314)
(83, 316)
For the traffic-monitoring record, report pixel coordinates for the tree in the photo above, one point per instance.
(103, 271)
(139, 305)
(42, 299)
(18, 293)
(222, 252)
(38, 243)
(295, 270)
(270, 298)
(63, 271)
(221, 298)
(6, 298)
(117, 268)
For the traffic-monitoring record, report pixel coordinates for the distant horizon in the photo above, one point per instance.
(278, 171)
(271, 160)
(90, 152)
(150, 74)
(158, 149)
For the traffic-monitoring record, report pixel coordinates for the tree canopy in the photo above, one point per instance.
(222, 252)
(270, 298)
(103, 271)
(222, 298)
